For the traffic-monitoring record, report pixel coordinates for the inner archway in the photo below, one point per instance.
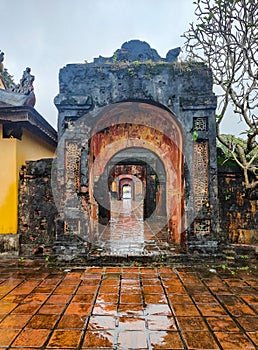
(119, 148)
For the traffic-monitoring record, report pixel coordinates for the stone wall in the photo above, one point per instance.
(238, 210)
(87, 92)
(37, 211)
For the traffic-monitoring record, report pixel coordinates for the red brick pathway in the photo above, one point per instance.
(129, 235)
(127, 308)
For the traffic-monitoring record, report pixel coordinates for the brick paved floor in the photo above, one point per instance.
(127, 308)
(129, 235)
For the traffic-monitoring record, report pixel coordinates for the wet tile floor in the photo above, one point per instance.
(127, 308)
(129, 235)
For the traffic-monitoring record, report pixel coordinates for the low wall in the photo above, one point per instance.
(238, 210)
(37, 210)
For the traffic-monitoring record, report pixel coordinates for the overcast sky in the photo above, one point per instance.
(45, 35)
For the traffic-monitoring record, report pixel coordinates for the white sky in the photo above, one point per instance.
(45, 35)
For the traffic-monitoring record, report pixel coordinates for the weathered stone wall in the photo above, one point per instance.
(185, 90)
(238, 210)
(37, 210)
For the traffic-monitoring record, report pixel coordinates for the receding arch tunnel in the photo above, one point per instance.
(137, 136)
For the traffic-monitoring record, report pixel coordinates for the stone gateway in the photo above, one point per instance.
(137, 134)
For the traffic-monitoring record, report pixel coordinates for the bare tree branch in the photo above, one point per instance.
(224, 37)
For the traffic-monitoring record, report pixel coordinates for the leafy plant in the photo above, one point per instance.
(195, 135)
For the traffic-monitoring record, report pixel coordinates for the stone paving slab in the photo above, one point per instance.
(127, 308)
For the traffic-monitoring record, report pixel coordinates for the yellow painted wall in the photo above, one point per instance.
(13, 154)
(8, 185)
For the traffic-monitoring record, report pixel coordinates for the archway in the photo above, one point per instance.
(120, 132)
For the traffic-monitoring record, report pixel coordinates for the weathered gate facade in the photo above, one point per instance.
(138, 120)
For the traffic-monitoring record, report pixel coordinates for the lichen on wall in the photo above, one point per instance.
(37, 210)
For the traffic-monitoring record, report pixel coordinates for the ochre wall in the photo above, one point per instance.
(13, 154)
(8, 185)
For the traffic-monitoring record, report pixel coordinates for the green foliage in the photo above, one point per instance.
(115, 57)
(232, 141)
(195, 135)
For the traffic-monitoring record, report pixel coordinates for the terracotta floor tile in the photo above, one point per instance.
(26, 309)
(221, 290)
(5, 289)
(81, 298)
(91, 276)
(175, 290)
(13, 299)
(222, 323)
(42, 322)
(211, 310)
(132, 340)
(86, 290)
(166, 340)
(26, 348)
(32, 337)
(254, 337)
(130, 290)
(185, 310)
(155, 299)
(251, 299)
(72, 322)
(241, 310)
(5, 308)
(153, 290)
(230, 300)
(126, 323)
(162, 323)
(192, 324)
(44, 289)
(62, 339)
(52, 309)
(130, 309)
(131, 298)
(205, 299)
(97, 323)
(180, 299)
(95, 270)
(15, 321)
(112, 275)
(64, 290)
(91, 281)
(58, 298)
(130, 275)
(78, 309)
(36, 298)
(158, 309)
(110, 282)
(98, 339)
(74, 275)
(113, 269)
(151, 282)
(107, 298)
(213, 281)
(200, 340)
(109, 289)
(105, 309)
(7, 336)
(234, 341)
(52, 282)
(249, 323)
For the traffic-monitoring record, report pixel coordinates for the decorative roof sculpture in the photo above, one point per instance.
(137, 50)
(21, 94)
